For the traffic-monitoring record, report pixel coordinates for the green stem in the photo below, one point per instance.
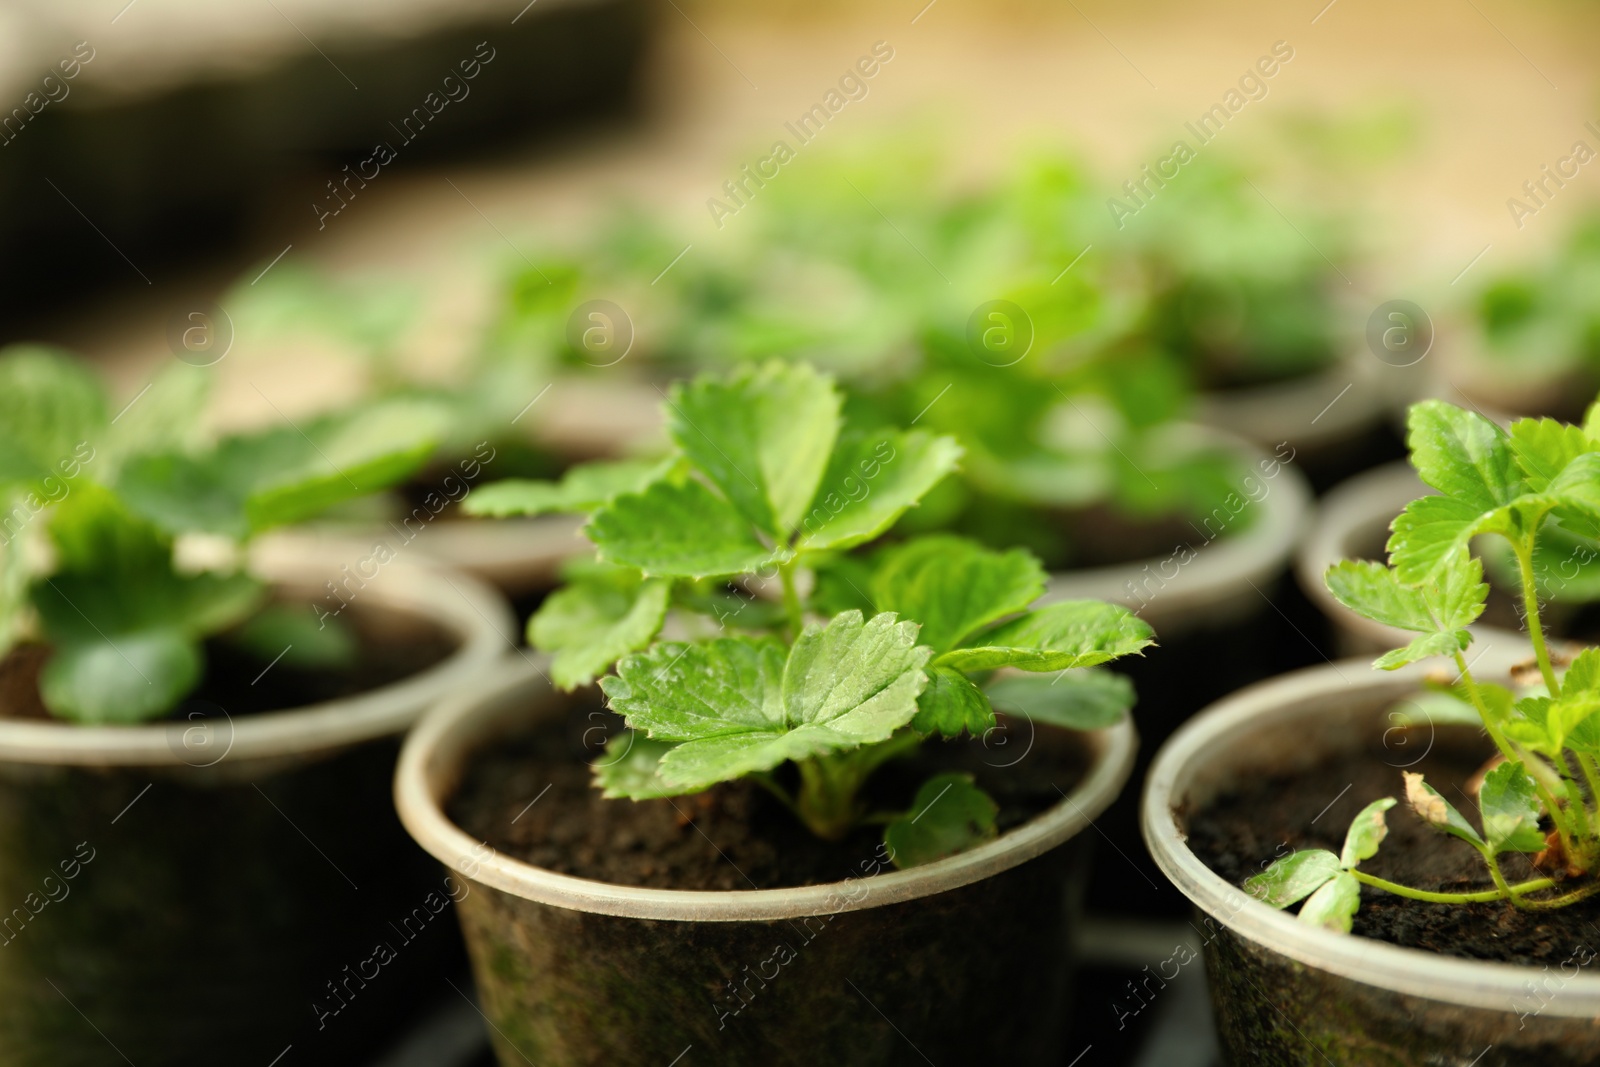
(1530, 605)
(827, 798)
(791, 599)
(1476, 697)
(1499, 879)
(1558, 814)
(1479, 897)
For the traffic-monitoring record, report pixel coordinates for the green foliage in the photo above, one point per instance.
(126, 626)
(1535, 485)
(1327, 884)
(252, 482)
(595, 620)
(763, 494)
(582, 488)
(738, 705)
(949, 815)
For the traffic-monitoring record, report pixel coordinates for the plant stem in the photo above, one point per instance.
(1499, 879)
(791, 599)
(1530, 605)
(1476, 698)
(1482, 896)
(827, 799)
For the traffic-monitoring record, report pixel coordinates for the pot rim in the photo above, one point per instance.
(516, 552)
(1220, 568)
(1412, 972)
(1306, 410)
(471, 612)
(432, 760)
(1349, 509)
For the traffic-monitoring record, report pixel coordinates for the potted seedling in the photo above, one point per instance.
(1461, 931)
(194, 743)
(778, 849)
(1253, 310)
(497, 417)
(1533, 343)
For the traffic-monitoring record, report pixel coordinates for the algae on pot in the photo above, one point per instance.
(1539, 796)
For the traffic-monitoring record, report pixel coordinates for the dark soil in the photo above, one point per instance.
(532, 797)
(390, 647)
(1243, 833)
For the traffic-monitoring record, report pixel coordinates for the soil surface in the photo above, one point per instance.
(532, 797)
(1243, 833)
(390, 647)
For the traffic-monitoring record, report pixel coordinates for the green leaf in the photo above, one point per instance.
(344, 456)
(1510, 809)
(1293, 877)
(1463, 455)
(165, 417)
(678, 531)
(1436, 811)
(1529, 726)
(1076, 700)
(1366, 833)
(948, 815)
(1441, 609)
(1069, 633)
(740, 705)
(955, 587)
(583, 488)
(296, 637)
(870, 483)
(951, 705)
(1375, 592)
(51, 406)
(763, 437)
(252, 482)
(116, 611)
(628, 768)
(1429, 535)
(1544, 447)
(1439, 644)
(1576, 491)
(590, 624)
(1333, 906)
(120, 679)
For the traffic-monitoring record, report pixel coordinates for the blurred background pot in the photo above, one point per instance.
(1219, 611)
(1286, 993)
(194, 892)
(1338, 420)
(886, 969)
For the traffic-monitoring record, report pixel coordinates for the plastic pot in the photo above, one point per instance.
(518, 556)
(1220, 622)
(1285, 993)
(1337, 419)
(966, 959)
(184, 893)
